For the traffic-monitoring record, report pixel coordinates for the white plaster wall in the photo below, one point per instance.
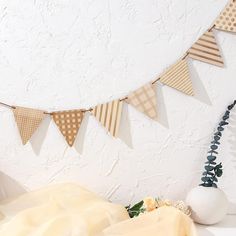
(63, 54)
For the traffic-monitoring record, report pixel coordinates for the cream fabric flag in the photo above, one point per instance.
(109, 115)
(144, 100)
(68, 123)
(227, 19)
(206, 50)
(28, 121)
(178, 77)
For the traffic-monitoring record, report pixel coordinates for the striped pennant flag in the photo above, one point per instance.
(28, 120)
(144, 100)
(206, 50)
(68, 123)
(227, 19)
(109, 115)
(178, 77)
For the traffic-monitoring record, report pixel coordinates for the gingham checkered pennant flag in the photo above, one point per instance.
(206, 50)
(109, 115)
(178, 77)
(144, 100)
(227, 19)
(68, 123)
(28, 120)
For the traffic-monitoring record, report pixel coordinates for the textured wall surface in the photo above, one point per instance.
(63, 54)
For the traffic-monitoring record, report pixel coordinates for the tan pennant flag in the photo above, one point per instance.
(178, 77)
(144, 100)
(109, 115)
(227, 19)
(27, 120)
(206, 50)
(68, 123)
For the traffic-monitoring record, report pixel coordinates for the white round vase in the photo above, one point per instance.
(208, 204)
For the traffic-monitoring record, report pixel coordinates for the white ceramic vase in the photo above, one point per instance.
(208, 204)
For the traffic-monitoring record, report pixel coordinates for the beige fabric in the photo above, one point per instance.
(178, 77)
(165, 221)
(227, 19)
(206, 50)
(28, 121)
(144, 100)
(60, 210)
(109, 115)
(68, 123)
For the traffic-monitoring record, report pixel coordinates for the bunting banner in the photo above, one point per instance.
(144, 100)
(178, 77)
(68, 123)
(28, 120)
(109, 115)
(227, 19)
(206, 50)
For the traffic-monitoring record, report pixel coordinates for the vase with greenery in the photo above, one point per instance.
(207, 201)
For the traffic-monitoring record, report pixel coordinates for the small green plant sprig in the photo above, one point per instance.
(212, 170)
(136, 209)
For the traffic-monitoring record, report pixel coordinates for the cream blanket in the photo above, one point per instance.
(69, 210)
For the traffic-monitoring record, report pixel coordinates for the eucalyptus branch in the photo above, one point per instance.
(212, 169)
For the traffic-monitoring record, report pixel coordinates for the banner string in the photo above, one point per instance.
(122, 99)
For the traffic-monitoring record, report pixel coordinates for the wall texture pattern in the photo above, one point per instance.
(66, 54)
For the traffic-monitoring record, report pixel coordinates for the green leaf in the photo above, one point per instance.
(137, 206)
(222, 123)
(215, 142)
(219, 172)
(209, 168)
(225, 117)
(211, 158)
(207, 184)
(214, 185)
(218, 133)
(205, 179)
(216, 137)
(214, 179)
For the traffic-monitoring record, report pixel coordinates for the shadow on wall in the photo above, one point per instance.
(9, 187)
(232, 150)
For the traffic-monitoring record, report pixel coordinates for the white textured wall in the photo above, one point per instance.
(63, 54)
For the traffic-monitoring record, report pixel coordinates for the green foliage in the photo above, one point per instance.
(212, 169)
(136, 209)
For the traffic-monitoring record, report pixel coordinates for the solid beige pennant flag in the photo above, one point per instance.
(227, 19)
(27, 120)
(109, 115)
(178, 77)
(68, 123)
(206, 50)
(144, 100)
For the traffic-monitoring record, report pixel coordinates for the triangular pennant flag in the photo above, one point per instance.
(178, 77)
(27, 120)
(68, 123)
(109, 115)
(206, 50)
(144, 100)
(227, 19)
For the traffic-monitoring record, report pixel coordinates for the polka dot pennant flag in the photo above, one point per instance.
(68, 123)
(144, 100)
(227, 19)
(109, 115)
(28, 120)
